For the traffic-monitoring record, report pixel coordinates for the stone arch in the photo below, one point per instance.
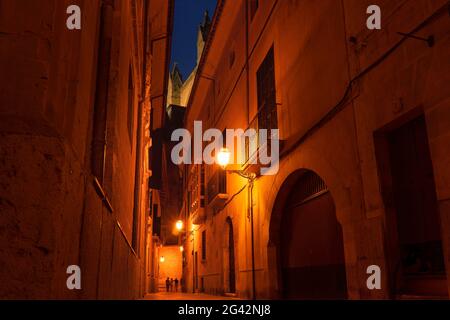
(322, 167)
(304, 197)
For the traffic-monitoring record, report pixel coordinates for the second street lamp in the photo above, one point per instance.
(179, 225)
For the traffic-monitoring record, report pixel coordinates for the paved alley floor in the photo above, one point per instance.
(184, 296)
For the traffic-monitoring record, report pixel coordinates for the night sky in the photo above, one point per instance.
(188, 16)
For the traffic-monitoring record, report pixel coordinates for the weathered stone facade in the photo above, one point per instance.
(60, 88)
(339, 86)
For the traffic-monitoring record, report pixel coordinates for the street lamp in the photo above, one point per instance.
(179, 225)
(223, 160)
(162, 259)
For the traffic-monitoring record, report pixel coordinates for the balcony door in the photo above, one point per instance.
(267, 112)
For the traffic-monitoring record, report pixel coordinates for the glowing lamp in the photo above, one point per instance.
(223, 158)
(179, 225)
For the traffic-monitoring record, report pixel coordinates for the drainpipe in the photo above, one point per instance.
(193, 261)
(251, 184)
(251, 181)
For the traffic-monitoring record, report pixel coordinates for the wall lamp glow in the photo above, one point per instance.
(179, 225)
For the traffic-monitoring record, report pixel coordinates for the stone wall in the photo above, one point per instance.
(171, 267)
(315, 62)
(52, 214)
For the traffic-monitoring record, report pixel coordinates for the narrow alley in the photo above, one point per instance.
(261, 150)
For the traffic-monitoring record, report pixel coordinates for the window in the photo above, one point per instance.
(254, 4)
(267, 112)
(150, 203)
(195, 189)
(222, 172)
(204, 245)
(156, 222)
(101, 99)
(156, 159)
(266, 117)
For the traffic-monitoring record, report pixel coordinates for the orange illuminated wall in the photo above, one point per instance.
(172, 265)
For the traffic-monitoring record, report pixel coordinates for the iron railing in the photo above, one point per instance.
(265, 119)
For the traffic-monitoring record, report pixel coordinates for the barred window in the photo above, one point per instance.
(267, 112)
(311, 186)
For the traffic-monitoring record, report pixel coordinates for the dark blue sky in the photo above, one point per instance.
(188, 16)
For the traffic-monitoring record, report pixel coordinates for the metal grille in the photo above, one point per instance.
(267, 116)
(310, 186)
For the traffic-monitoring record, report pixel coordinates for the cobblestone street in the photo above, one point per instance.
(184, 296)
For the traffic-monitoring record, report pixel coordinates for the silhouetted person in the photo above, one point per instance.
(176, 284)
(167, 284)
(171, 284)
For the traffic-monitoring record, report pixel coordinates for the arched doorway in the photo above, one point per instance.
(229, 263)
(308, 239)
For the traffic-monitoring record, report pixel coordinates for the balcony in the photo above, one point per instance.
(217, 190)
(198, 215)
(264, 120)
(196, 194)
